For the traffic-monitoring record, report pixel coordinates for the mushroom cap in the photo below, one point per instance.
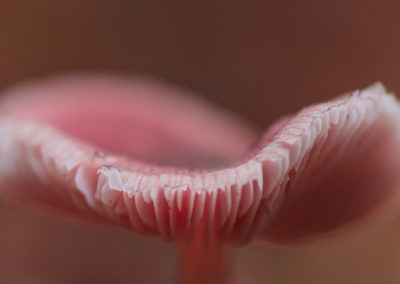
(159, 161)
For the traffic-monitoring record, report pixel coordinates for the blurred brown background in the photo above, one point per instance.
(260, 58)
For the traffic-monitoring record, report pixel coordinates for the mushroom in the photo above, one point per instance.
(139, 154)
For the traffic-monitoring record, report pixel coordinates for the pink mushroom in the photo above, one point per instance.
(158, 161)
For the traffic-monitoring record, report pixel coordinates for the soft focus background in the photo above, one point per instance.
(261, 59)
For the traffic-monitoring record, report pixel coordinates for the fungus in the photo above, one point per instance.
(139, 154)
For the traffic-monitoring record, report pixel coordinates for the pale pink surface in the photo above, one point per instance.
(311, 173)
(137, 118)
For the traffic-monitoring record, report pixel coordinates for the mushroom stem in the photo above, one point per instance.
(204, 258)
(203, 263)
